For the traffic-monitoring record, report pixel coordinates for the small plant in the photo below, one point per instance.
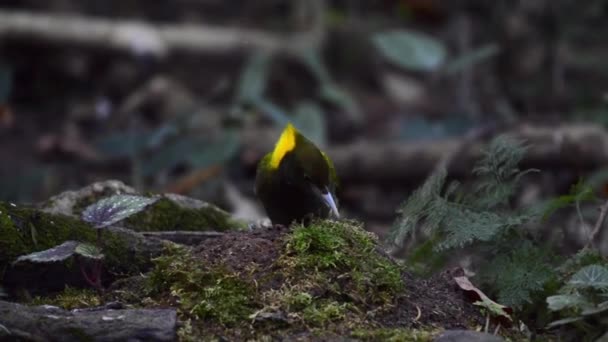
(513, 264)
(583, 300)
(101, 214)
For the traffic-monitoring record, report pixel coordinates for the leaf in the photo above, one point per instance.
(520, 274)
(115, 208)
(564, 321)
(168, 156)
(309, 120)
(579, 192)
(88, 251)
(410, 50)
(252, 84)
(601, 307)
(334, 94)
(483, 300)
(272, 111)
(595, 276)
(471, 58)
(329, 90)
(560, 302)
(125, 144)
(217, 152)
(57, 253)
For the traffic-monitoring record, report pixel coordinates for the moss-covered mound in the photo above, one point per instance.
(321, 281)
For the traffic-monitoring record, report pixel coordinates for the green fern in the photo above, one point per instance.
(474, 218)
(417, 207)
(520, 275)
(498, 173)
(481, 220)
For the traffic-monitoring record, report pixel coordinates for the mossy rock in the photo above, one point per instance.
(26, 230)
(170, 212)
(174, 212)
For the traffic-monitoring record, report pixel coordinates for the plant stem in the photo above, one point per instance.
(598, 225)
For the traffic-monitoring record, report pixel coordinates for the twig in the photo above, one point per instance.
(598, 225)
(497, 329)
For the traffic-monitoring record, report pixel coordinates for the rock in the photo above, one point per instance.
(67, 202)
(467, 336)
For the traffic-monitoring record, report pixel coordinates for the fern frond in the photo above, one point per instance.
(418, 206)
(518, 275)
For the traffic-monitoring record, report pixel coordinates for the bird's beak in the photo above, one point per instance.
(329, 200)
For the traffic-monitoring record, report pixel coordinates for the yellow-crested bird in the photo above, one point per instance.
(296, 181)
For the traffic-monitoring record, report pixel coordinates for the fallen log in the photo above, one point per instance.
(139, 37)
(576, 146)
(49, 323)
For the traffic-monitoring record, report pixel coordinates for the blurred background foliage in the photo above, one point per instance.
(196, 121)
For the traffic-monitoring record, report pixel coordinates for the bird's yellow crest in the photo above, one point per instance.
(286, 143)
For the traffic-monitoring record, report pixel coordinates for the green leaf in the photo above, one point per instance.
(216, 152)
(595, 276)
(567, 301)
(252, 84)
(600, 308)
(57, 253)
(272, 111)
(88, 251)
(579, 192)
(115, 208)
(125, 144)
(329, 90)
(564, 321)
(309, 120)
(471, 58)
(334, 94)
(410, 50)
(168, 156)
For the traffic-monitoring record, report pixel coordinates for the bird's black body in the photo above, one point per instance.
(295, 185)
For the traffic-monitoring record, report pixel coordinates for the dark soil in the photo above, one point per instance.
(426, 302)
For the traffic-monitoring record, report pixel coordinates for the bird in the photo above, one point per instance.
(296, 181)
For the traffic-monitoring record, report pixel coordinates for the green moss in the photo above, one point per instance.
(394, 335)
(70, 298)
(327, 278)
(165, 215)
(346, 248)
(11, 243)
(202, 293)
(321, 312)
